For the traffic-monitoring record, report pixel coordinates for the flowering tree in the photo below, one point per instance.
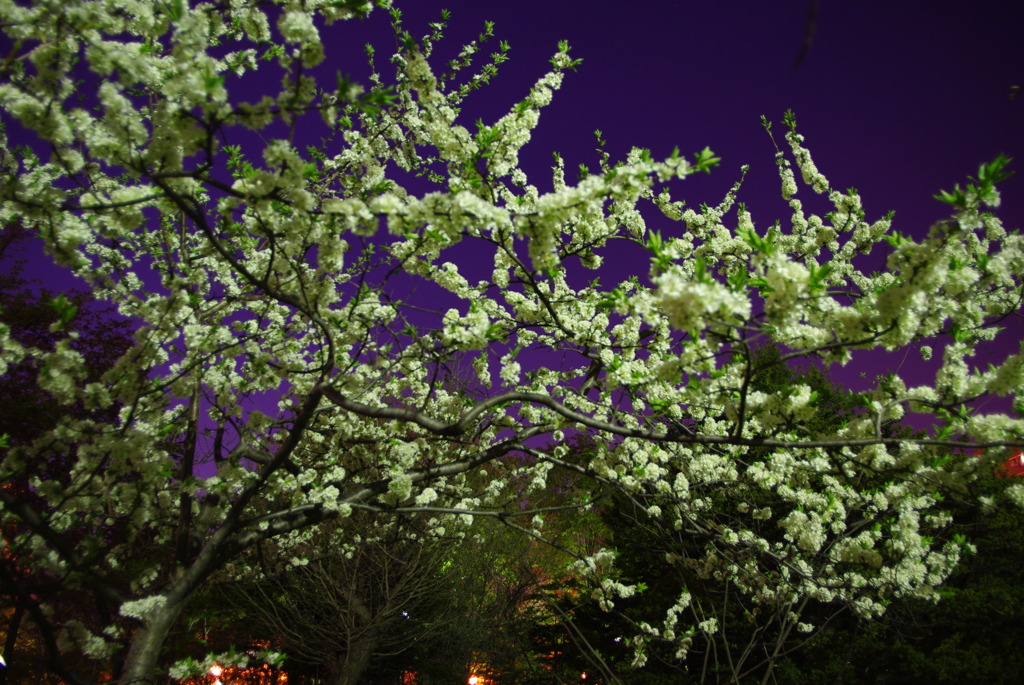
(307, 383)
(749, 636)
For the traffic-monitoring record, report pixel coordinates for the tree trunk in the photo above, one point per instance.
(12, 639)
(348, 668)
(140, 666)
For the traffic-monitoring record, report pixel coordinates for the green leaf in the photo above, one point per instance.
(739, 278)
(984, 192)
(818, 274)
(895, 238)
(961, 335)
(993, 173)
(701, 270)
(65, 309)
(213, 81)
(654, 242)
(789, 119)
(764, 245)
(612, 299)
(175, 9)
(705, 161)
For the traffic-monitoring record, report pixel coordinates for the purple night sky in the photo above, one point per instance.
(899, 100)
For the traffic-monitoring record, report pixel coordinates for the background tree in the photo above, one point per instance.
(353, 604)
(317, 378)
(37, 318)
(408, 602)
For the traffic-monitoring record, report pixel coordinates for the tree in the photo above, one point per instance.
(967, 635)
(731, 637)
(269, 370)
(353, 604)
(38, 318)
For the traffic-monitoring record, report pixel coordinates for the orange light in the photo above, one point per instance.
(473, 680)
(216, 670)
